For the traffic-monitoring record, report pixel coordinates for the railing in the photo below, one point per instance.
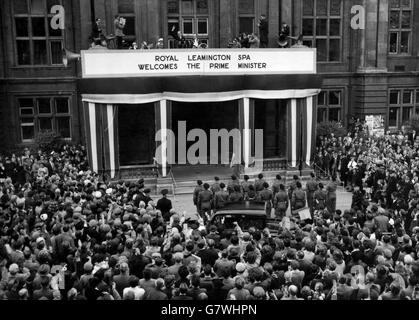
(174, 184)
(319, 172)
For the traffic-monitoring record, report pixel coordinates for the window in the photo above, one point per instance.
(126, 10)
(44, 113)
(403, 103)
(246, 16)
(329, 106)
(190, 17)
(37, 43)
(400, 29)
(322, 28)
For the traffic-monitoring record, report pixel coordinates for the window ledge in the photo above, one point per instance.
(57, 67)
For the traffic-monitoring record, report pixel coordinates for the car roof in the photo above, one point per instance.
(250, 208)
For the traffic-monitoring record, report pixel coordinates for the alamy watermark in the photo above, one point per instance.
(222, 147)
(58, 20)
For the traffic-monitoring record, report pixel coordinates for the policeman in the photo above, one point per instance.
(196, 193)
(259, 184)
(298, 199)
(331, 195)
(320, 197)
(204, 202)
(245, 187)
(281, 202)
(216, 185)
(311, 187)
(232, 184)
(293, 186)
(276, 184)
(236, 195)
(266, 196)
(220, 198)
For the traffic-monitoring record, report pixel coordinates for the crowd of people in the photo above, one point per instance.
(65, 234)
(118, 39)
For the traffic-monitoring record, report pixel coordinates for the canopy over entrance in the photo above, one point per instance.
(166, 79)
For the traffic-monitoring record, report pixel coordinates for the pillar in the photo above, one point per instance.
(162, 140)
(273, 20)
(294, 137)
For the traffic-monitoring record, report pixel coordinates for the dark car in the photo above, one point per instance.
(247, 214)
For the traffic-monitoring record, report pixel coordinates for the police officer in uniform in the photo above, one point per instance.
(204, 202)
(220, 198)
(259, 184)
(266, 196)
(232, 184)
(293, 186)
(320, 197)
(281, 202)
(298, 199)
(331, 195)
(196, 193)
(311, 187)
(245, 187)
(276, 184)
(216, 186)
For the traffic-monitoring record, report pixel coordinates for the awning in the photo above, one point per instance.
(198, 88)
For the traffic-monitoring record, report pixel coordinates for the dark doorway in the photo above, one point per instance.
(136, 134)
(271, 116)
(206, 116)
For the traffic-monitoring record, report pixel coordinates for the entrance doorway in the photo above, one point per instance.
(136, 125)
(205, 116)
(271, 116)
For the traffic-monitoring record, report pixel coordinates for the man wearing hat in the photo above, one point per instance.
(198, 189)
(164, 205)
(216, 185)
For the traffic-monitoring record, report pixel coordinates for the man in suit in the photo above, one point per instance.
(311, 187)
(263, 31)
(293, 186)
(344, 170)
(164, 205)
(245, 187)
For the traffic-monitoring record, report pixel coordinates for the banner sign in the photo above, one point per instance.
(375, 125)
(145, 63)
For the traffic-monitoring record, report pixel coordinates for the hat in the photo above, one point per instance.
(164, 192)
(178, 248)
(240, 267)
(259, 292)
(141, 181)
(97, 194)
(14, 268)
(44, 269)
(88, 266)
(109, 191)
(147, 190)
(93, 223)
